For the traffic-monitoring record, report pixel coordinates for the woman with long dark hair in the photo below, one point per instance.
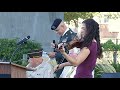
(90, 50)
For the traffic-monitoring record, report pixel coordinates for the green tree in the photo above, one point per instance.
(113, 15)
(8, 46)
(110, 46)
(68, 16)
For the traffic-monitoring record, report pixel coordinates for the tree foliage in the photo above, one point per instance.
(113, 15)
(8, 46)
(68, 16)
(109, 45)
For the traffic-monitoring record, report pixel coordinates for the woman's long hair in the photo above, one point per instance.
(92, 32)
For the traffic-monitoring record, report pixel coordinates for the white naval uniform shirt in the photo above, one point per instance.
(44, 70)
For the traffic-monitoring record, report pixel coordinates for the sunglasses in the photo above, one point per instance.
(34, 56)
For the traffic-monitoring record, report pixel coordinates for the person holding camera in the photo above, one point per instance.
(66, 35)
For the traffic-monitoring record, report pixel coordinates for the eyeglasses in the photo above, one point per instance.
(35, 57)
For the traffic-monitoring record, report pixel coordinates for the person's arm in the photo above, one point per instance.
(64, 64)
(60, 66)
(79, 59)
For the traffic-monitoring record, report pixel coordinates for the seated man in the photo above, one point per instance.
(41, 69)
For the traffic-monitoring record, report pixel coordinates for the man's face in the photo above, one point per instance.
(60, 30)
(33, 61)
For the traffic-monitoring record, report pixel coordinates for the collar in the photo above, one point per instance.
(65, 31)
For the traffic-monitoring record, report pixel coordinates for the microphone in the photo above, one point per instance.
(23, 40)
(56, 46)
(54, 41)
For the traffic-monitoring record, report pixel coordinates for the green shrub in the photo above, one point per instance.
(116, 66)
(8, 46)
(104, 66)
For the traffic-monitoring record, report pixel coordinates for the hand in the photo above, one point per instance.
(52, 45)
(59, 66)
(56, 68)
(61, 48)
(51, 54)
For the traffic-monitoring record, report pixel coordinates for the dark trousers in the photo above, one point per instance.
(59, 72)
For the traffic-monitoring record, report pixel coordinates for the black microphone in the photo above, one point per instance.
(54, 41)
(23, 40)
(56, 46)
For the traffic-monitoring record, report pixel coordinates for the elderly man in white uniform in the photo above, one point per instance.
(41, 68)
